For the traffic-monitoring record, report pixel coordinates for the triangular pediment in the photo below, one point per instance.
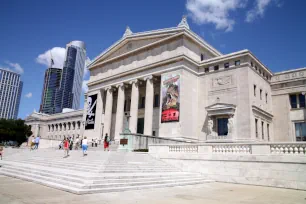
(221, 109)
(137, 41)
(131, 43)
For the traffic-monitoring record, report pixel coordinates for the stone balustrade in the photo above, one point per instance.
(296, 148)
(237, 148)
(231, 149)
(183, 148)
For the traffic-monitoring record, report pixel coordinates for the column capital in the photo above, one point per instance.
(120, 85)
(109, 88)
(149, 77)
(134, 81)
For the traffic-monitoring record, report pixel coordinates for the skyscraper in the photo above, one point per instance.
(10, 94)
(51, 84)
(69, 93)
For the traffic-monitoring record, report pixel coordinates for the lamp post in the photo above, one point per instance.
(126, 129)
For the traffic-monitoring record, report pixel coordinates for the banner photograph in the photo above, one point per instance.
(91, 112)
(170, 98)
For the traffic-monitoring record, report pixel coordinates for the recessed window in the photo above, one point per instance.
(300, 132)
(254, 90)
(259, 71)
(302, 101)
(206, 69)
(297, 100)
(256, 68)
(216, 68)
(267, 98)
(237, 63)
(202, 57)
(226, 65)
(260, 93)
(256, 127)
(252, 64)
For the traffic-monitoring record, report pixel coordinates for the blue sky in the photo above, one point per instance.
(274, 30)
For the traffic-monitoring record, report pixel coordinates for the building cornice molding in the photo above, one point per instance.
(259, 111)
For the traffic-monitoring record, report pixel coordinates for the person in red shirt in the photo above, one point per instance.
(66, 147)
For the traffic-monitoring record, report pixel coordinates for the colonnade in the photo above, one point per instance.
(148, 116)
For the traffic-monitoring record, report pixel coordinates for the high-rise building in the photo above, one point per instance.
(69, 93)
(51, 84)
(10, 94)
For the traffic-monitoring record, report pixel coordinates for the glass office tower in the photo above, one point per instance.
(69, 93)
(10, 94)
(51, 84)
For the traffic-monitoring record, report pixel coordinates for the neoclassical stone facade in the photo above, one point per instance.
(57, 126)
(174, 84)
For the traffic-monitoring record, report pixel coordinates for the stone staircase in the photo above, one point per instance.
(96, 173)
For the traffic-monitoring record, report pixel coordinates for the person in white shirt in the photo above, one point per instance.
(84, 146)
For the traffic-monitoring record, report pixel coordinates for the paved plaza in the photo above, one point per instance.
(15, 191)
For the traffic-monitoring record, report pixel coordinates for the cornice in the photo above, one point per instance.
(262, 112)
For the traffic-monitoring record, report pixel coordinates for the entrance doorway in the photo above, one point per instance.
(140, 125)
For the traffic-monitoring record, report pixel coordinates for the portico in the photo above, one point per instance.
(131, 97)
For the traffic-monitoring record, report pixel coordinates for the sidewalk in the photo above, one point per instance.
(14, 191)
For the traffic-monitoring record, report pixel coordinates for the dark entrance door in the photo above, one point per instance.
(140, 125)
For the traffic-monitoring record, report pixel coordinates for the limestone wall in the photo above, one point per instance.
(270, 164)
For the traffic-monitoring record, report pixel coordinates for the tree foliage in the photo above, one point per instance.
(14, 130)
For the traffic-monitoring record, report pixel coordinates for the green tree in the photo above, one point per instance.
(14, 130)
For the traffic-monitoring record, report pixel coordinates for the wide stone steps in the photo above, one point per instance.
(109, 187)
(101, 168)
(97, 173)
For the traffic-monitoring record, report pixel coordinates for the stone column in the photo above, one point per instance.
(148, 120)
(134, 106)
(108, 111)
(120, 111)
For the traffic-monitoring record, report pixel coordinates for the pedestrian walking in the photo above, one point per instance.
(66, 147)
(37, 139)
(32, 144)
(106, 142)
(84, 146)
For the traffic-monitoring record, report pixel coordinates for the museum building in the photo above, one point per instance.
(171, 83)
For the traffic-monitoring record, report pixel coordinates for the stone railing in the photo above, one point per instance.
(291, 148)
(235, 148)
(185, 148)
(231, 149)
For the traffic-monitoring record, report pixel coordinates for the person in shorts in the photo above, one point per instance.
(66, 147)
(84, 146)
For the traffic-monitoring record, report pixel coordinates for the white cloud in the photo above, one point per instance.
(13, 67)
(258, 10)
(214, 11)
(58, 55)
(84, 86)
(29, 95)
